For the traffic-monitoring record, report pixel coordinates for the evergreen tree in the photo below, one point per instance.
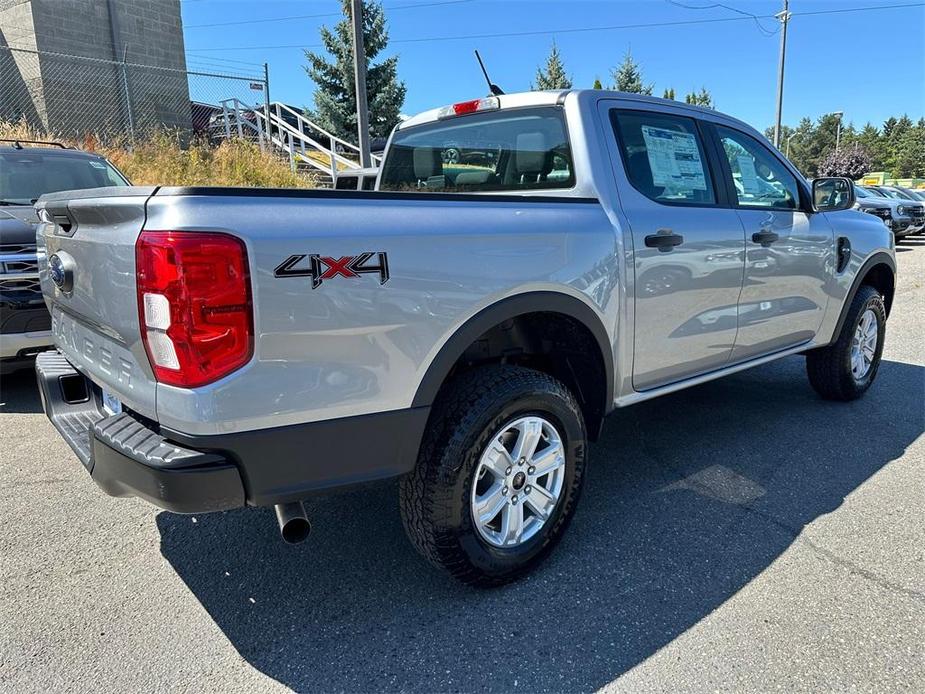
(908, 153)
(335, 95)
(895, 132)
(597, 84)
(628, 77)
(553, 76)
(701, 98)
(873, 143)
(669, 93)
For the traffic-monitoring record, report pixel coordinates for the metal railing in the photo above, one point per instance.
(301, 140)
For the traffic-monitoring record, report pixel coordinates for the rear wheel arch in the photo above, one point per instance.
(473, 344)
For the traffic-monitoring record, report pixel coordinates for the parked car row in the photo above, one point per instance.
(901, 209)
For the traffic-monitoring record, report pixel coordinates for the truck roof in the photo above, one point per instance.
(553, 97)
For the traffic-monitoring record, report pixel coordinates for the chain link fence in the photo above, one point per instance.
(74, 96)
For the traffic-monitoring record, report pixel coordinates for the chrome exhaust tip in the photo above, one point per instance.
(293, 522)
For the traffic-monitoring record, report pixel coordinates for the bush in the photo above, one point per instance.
(161, 159)
(850, 162)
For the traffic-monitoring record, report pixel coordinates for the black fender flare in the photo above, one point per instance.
(507, 309)
(878, 258)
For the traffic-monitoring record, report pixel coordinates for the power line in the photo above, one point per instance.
(326, 14)
(764, 30)
(545, 32)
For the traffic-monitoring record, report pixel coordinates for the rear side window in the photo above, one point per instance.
(664, 157)
(759, 177)
(516, 150)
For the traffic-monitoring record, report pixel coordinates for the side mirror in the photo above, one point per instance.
(833, 194)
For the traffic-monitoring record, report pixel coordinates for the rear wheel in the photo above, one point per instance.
(498, 475)
(846, 369)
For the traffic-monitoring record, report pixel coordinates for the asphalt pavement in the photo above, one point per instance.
(742, 536)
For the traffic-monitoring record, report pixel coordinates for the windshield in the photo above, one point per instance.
(27, 175)
(515, 150)
(861, 192)
(900, 194)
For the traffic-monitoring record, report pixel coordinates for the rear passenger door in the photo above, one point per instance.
(688, 246)
(788, 248)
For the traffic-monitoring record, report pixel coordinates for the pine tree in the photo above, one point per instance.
(554, 76)
(597, 84)
(908, 153)
(628, 77)
(335, 96)
(669, 93)
(701, 98)
(873, 143)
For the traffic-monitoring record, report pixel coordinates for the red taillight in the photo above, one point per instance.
(194, 305)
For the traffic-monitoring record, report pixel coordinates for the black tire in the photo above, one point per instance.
(829, 368)
(435, 496)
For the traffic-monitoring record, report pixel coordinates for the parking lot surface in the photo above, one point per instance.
(740, 536)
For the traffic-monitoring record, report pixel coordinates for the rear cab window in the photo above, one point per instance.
(518, 149)
(27, 174)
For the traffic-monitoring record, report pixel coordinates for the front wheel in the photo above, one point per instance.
(498, 475)
(846, 369)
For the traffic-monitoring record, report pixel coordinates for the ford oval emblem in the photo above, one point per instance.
(61, 271)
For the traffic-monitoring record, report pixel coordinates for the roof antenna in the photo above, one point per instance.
(493, 88)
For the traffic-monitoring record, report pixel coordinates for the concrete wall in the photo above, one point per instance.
(76, 83)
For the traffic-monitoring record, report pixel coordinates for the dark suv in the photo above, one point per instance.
(27, 171)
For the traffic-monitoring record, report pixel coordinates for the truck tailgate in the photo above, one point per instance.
(94, 307)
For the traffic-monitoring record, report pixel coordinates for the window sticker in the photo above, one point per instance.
(749, 175)
(674, 159)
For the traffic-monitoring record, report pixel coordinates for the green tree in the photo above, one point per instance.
(668, 93)
(597, 84)
(874, 144)
(335, 95)
(896, 133)
(553, 76)
(908, 153)
(628, 77)
(701, 98)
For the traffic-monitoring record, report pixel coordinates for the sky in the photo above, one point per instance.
(869, 64)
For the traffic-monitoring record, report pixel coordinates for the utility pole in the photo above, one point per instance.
(359, 71)
(784, 17)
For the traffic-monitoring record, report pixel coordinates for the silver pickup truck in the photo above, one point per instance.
(466, 327)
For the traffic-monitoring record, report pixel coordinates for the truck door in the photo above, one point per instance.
(688, 246)
(789, 249)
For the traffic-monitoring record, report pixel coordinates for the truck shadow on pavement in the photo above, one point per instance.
(689, 498)
(19, 393)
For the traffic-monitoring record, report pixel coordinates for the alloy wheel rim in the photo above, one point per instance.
(518, 482)
(864, 345)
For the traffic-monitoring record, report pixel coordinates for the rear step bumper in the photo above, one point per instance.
(126, 456)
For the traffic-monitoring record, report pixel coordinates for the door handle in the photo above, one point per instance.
(765, 237)
(664, 240)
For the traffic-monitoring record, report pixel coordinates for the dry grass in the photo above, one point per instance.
(160, 159)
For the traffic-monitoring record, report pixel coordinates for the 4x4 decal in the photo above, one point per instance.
(322, 267)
